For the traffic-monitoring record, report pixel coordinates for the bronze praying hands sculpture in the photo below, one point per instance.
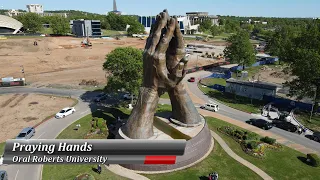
(164, 67)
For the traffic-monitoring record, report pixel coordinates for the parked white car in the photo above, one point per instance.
(65, 112)
(211, 107)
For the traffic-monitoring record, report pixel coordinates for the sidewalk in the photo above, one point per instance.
(227, 149)
(124, 172)
(246, 126)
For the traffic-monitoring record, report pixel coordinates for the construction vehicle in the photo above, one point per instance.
(86, 42)
(206, 39)
(117, 38)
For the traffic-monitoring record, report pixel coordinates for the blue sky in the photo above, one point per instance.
(269, 8)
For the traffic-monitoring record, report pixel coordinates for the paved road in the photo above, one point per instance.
(242, 116)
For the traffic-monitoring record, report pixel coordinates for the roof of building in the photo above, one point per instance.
(9, 22)
(229, 66)
(260, 84)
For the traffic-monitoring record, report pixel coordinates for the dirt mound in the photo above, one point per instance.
(277, 74)
(88, 83)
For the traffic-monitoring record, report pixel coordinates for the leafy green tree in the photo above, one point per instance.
(215, 30)
(31, 22)
(205, 25)
(135, 28)
(125, 66)
(247, 27)
(117, 22)
(60, 25)
(240, 50)
(280, 41)
(232, 25)
(304, 64)
(222, 21)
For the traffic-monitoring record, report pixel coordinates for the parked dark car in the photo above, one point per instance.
(261, 123)
(316, 136)
(285, 126)
(192, 79)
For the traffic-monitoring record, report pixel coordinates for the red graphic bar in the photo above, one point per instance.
(160, 160)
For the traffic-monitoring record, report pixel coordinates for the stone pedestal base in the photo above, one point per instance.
(197, 147)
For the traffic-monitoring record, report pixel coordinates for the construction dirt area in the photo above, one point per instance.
(18, 111)
(62, 62)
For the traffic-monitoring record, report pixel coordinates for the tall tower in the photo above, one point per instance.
(115, 6)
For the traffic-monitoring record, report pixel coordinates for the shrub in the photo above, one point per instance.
(252, 145)
(100, 123)
(95, 122)
(104, 130)
(268, 140)
(313, 159)
(251, 136)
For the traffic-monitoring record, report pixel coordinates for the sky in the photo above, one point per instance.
(257, 8)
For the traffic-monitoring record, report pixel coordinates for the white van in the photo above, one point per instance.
(211, 107)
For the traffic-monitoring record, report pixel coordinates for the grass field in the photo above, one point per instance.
(213, 81)
(280, 165)
(165, 96)
(2, 147)
(110, 32)
(304, 118)
(236, 102)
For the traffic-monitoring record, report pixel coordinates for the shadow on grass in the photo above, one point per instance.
(304, 160)
(203, 178)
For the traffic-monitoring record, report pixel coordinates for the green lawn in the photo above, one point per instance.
(218, 161)
(236, 102)
(2, 147)
(110, 32)
(46, 31)
(165, 96)
(278, 164)
(213, 81)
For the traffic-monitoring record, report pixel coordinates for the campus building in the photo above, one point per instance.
(9, 25)
(198, 17)
(83, 28)
(254, 90)
(34, 8)
(184, 22)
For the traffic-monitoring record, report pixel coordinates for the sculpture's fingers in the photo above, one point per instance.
(179, 40)
(153, 26)
(165, 39)
(157, 32)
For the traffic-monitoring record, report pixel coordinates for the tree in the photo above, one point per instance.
(117, 22)
(280, 41)
(221, 21)
(304, 55)
(125, 66)
(60, 25)
(240, 50)
(135, 28)
(205, 25)
(232, 25)
(31, 22)
(215, 30)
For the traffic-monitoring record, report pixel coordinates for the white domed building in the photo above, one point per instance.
(9, 25)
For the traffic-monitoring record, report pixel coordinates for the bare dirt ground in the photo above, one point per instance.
(18, 111)
(274, 74)
(60, 61)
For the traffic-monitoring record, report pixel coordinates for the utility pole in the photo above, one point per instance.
(314, 102)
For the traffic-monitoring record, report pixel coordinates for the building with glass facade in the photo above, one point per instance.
(184, 22)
